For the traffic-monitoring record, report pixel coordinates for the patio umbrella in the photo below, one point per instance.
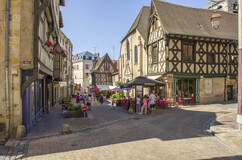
(144, 81)
(119, 89)
(95, 89)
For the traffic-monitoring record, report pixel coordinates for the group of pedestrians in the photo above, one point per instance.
(147, 102)
(89, 100)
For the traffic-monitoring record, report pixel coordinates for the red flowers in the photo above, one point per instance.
(50, 45)
(52, 51)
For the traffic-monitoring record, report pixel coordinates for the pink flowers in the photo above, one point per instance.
(50, 45)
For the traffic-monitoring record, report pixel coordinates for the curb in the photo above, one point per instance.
(209, 132)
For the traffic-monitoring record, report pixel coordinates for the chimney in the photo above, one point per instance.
(96, 54)
(76, 56)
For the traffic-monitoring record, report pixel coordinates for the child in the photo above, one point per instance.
(145, 103)
(137, 104)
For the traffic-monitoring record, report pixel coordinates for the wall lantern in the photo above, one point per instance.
(215, 20)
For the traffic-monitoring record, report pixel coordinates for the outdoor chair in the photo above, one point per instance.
(167, 102)
(180, 101)
(171, 102)
(192, 101)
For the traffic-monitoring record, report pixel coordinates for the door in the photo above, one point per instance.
(197, 90)
(230, 92)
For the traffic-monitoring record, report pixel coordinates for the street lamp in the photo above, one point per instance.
(215, 20)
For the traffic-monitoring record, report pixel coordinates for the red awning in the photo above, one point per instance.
(95, 89)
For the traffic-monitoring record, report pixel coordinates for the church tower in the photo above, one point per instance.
(223, 5)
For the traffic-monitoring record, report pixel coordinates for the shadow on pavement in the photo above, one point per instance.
(226, 158)
(167, 125)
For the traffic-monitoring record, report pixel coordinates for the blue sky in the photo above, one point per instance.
(104, 23)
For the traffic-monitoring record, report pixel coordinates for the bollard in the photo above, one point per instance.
(65, 128)
(21, 132)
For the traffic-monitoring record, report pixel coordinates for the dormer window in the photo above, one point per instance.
(84, 57)
(90, 58)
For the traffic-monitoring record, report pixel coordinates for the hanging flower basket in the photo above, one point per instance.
(48, 44)
(52, 51)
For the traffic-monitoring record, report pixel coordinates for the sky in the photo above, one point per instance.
(100, 25)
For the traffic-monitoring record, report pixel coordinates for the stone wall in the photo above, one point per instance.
(2, 55)
(211, 90)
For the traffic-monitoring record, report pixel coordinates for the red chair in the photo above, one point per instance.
(171, 102)
(192, 101)
(180, 101)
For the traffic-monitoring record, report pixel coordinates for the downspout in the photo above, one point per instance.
(37, 13)
(7, 69)
(227, 72)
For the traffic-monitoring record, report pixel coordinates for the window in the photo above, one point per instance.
(155, 24)
(84, 57)
(128, 50)
(188, 51)
(154, 54)
(220, 8)
(106, 66)
(87, 74)
(136, 54)
(87, 67)
(211, 58)
(235, 8)
(90, 58)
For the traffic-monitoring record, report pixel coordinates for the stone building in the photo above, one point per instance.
(27, 69)
(133, 57)
(223, 5)
(192, 57)
(82, 63)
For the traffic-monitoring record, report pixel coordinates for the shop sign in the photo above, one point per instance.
(25, 63)
(149, 84)
(55, 82)
(139, 88)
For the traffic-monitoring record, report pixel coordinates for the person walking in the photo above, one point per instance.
(145, 104)
(77, 98)
(152, 100)
(101, 100)
(138, 103)
(89, 102)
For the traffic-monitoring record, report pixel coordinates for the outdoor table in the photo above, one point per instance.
(187, 99)
(164, 104)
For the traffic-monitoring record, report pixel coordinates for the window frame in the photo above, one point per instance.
(136, 55)
(188, 43)
(154, 56)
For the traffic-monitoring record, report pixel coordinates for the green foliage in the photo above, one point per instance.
(116, 96)
(71, 107)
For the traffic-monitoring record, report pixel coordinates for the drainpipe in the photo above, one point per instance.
(227, 72)
(7, 69)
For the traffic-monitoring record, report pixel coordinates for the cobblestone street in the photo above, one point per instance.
(169, 134)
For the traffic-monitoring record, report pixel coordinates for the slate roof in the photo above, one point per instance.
(182, 20)
(96, 65)
(210, 3)
(140, 23)
(86, 53)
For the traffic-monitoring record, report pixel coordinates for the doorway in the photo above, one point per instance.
(230, 92)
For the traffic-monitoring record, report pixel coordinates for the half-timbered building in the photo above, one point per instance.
(192, 57)
(101, 72)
